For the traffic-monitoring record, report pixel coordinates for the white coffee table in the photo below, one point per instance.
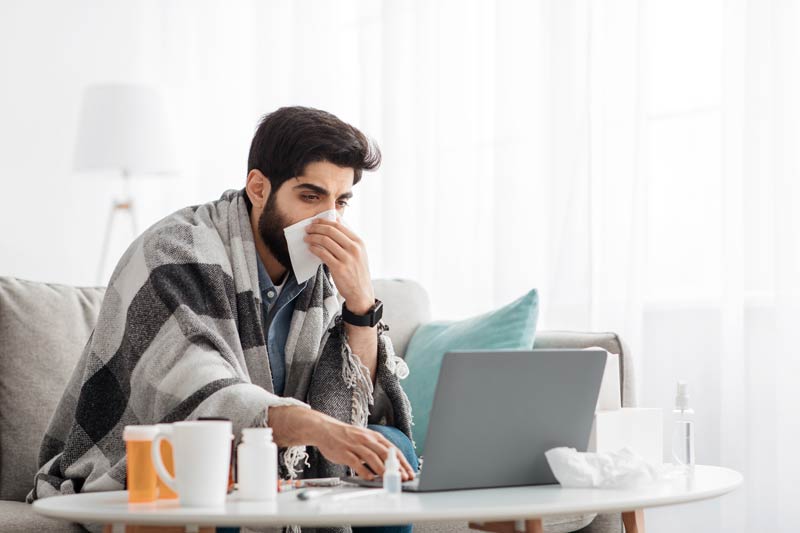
(502, 510)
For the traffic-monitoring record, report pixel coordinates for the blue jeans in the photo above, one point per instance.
(403, 443)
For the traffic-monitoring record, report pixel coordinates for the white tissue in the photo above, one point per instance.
(304, 263)
(609, 470)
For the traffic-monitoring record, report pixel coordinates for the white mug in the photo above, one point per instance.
(201, 452)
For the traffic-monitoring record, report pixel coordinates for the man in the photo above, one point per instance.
(203, 316)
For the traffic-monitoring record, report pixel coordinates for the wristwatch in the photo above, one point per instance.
(371, 318)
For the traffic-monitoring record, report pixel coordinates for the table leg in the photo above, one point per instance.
(633, 521)
(533, 525)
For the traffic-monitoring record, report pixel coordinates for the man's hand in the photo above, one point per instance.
(340, 443)
(346, 256)
(353, 446)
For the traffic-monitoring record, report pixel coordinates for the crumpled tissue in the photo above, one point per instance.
(609, 470)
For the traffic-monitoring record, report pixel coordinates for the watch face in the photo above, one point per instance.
(377, 313)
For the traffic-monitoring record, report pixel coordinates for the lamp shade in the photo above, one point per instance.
(124, 127)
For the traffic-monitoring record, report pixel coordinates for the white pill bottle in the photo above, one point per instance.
(257, 460)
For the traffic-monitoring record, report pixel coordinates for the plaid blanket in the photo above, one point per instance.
(179, 335)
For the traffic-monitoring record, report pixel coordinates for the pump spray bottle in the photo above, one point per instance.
(683, 429)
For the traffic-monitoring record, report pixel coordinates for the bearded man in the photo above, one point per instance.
(204, 317)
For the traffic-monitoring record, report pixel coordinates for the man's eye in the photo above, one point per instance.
(310, 197)
(343, 203)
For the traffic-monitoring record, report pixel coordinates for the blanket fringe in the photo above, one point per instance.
(357, 377)
(397, 366)
(292, 457)
(394, 363)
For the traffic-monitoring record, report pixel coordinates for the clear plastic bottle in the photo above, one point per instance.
(392, 483)
(257, 461)
(683, 429)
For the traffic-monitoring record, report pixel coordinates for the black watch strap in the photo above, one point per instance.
(370, 319)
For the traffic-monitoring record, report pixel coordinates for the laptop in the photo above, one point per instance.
(495, 413)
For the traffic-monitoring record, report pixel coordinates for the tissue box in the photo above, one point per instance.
(638, 428)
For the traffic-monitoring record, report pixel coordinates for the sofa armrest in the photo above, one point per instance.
(609, 341)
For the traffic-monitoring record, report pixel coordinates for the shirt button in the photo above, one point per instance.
(271, 294)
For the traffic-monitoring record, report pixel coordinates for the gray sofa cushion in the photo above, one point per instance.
(43, 329)
(19, 517)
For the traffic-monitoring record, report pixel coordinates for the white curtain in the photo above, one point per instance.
(637, 161)
(634, 160)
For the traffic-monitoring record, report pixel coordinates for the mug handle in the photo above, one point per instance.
(158, 463)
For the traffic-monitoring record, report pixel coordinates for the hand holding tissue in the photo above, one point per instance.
(326, 238)
(304, 263)
(608, 470)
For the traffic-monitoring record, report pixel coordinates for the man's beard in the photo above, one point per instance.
(270, 227)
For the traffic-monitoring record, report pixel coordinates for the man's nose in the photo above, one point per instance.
(328, 206)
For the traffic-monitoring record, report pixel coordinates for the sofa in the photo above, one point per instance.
(43, 329)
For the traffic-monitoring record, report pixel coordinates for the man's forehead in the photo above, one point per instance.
(324, 170)
(335, 180)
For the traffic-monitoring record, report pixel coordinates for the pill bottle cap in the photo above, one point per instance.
(139, 432)
(257, 434)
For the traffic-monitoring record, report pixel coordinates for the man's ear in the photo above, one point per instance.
(258, 188)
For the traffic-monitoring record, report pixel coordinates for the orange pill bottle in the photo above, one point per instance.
(141, 476)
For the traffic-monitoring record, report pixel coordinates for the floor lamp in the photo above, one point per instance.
(123, 129)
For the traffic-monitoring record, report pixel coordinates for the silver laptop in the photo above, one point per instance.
(496, 413)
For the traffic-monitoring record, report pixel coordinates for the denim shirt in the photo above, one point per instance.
(277, 321)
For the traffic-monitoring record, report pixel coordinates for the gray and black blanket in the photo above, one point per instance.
(179, 336)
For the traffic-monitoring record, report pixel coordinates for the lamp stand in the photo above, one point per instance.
(125, 208)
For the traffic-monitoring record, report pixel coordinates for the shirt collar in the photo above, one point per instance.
(266, 286)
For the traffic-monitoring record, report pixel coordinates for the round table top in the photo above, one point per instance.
(510, 503)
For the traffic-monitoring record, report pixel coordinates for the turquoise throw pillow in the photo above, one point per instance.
(512, 327)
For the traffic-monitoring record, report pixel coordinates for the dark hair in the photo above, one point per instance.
(292, 137)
